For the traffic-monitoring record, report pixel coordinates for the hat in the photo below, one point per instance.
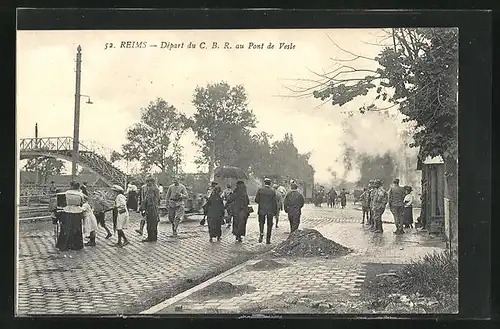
(267, 180)
(275, 186)
(117, 188)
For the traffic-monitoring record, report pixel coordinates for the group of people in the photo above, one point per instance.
(375, 199)
(333, 198)
(78, 214)
(233, 207)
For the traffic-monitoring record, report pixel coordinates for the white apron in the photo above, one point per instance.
(122, 219)
(89, 220)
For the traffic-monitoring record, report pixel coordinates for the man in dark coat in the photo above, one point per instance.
(395, 199)
(268, 208)
(294, 201)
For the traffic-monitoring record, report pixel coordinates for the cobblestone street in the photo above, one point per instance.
(110, 280)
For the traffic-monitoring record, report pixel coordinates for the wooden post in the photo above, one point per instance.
(76, 125)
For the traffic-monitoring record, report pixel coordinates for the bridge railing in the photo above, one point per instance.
(48, 144)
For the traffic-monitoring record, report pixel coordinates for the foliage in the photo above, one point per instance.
(376, 167)
(418, 73)
(154, 141)
(222, 117)
(433, 275)
(47, 167)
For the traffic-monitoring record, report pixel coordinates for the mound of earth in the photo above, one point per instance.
(309, 243)
(223, 289)
(267, 264)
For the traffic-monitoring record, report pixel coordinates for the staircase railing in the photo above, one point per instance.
(91, 158)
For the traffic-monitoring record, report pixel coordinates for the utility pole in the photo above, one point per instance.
(76, 125)
(36, 159)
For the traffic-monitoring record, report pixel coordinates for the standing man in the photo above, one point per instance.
(176, 194)
(266, 199)
(294, 201)
(372, 189)
(378, 205)
(142, 196)
(365, 205)
(396, 205)
(332, 195)
(149, 208)
(343, 198)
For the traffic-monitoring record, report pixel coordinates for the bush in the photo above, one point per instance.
(433, 275)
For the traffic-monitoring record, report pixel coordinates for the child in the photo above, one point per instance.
(89, 222)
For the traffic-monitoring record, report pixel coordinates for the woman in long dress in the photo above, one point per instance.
(132, 196)
(408, 208)
(121, 214)
(70, 218)
(239, 203)
(215, 214)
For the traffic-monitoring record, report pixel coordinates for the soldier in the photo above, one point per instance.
(395, 199)
(176, 194)
(371, 196)
(365, 205)
(378, 205)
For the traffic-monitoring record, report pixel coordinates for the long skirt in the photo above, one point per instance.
(240, 222)
(408, 216)
(214, 226)
(132, 201)
(70, 234)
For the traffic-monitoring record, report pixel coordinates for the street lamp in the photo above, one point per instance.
(76, 125)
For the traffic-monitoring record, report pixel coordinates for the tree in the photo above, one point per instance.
(46, 167)
(154, 141)
(222, 117)
(418, 73)
(375, 167)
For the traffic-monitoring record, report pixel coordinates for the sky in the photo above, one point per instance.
(121, 81)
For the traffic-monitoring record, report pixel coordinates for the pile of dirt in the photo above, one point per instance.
(309, 243)
(223, 289)
(267, 264)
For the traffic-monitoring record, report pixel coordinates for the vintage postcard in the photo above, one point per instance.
(264, 171)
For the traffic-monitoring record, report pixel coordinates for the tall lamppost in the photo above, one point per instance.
(76, 125)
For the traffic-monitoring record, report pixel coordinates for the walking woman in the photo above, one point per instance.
(408, 208)
(239, 203)
(70, 217)
(121, 214)
(215, 214)
(343, 199)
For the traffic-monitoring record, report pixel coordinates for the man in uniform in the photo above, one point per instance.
(365, 205)
(378, 205)
(268, 208)
(149, 209)
(371, 196)
(176, 194)
(395, 198)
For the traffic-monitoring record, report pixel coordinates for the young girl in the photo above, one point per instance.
(89, 222)
(408, 208)
(121, 214)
